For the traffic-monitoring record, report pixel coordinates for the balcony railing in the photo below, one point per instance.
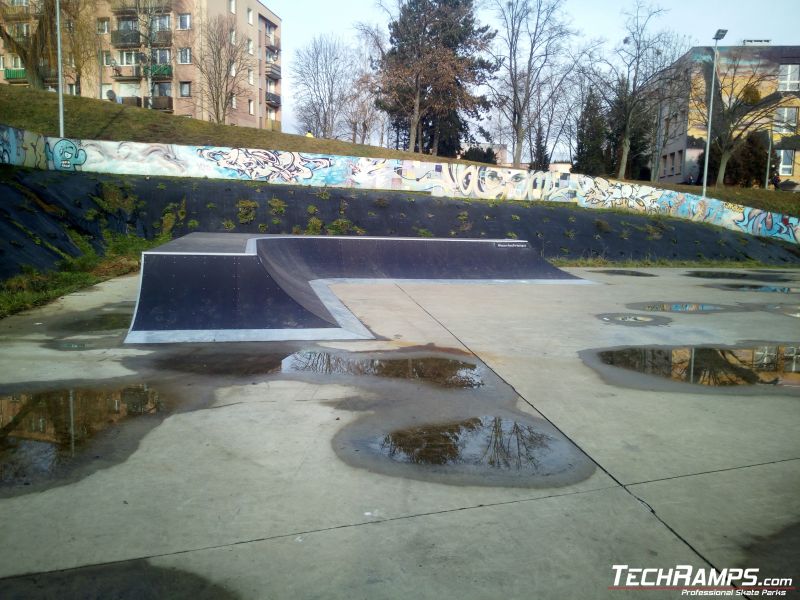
(20, 12)
(14, 74)
(159, 102)
(132, 101)
(272, 99)
(273, 42)
(273, 71)
(160, 71)
(125, 38)
(128, 72)
(162, 38)
(129, 6)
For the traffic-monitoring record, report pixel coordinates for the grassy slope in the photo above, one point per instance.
(92, 119)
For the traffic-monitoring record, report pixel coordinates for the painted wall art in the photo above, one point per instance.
(24, 148)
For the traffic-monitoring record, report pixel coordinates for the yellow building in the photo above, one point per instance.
(116, 69)
(748, 76)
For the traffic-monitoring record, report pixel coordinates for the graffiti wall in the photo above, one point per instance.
(24, 148)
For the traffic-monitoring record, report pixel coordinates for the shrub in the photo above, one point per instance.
(247, 211)
(277, 206)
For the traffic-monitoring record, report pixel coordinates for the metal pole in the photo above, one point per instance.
(60, 72)
(710, 113)
(769, 159)
(72, 422)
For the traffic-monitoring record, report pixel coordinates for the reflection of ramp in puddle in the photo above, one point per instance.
(229, 287)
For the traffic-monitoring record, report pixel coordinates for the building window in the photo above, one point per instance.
(232, 6)
(789, 78)
(272, 56)
(787, 162)
(184, 21)
(250, 45)
(233, 102)
(161, 56)
(160, 23)
(163, 89)
(250, 16)
(107, 58)
(186, 89)
(102, 25)
(72, 89)
(185, 56)
(251, 107)
(250, 78)
(128, 57)
(272, 114)
(2, 62)
(786, 120)
(127, 24)
(233, 36)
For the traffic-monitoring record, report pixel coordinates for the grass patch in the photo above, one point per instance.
(32, 288)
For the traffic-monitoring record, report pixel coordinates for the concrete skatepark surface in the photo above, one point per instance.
(240, 478)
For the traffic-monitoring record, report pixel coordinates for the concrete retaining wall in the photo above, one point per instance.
(24, 148)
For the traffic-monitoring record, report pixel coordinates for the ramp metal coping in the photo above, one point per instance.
(350, 328)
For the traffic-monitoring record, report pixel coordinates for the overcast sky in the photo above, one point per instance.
(698, 19)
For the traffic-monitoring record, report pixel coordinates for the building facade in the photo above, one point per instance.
(120, 71)
(746, 74)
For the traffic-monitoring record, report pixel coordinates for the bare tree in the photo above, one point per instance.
(532, 34)
(81, 41)
(323, 75)
(29, 31)
(359, 114)
(739, 106)
(222, 65)
(629, 80)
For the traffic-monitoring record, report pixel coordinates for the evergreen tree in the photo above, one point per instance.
(590, 156)
(541, 158)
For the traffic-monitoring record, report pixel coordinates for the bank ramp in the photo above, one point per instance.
(207, 287)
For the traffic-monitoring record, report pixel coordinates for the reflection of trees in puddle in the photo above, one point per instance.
(778, 365)
(493, 441)
(441, 371)
(40, 431)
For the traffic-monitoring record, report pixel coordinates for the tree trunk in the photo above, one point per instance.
(519, 134)
(435, 145)
(412, 126)
(723, 163)
(623, 161)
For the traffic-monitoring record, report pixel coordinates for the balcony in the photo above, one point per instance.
(126, 73)
(128, 7)
(20, 13)
(125, 38)
(159, 103)
(273, 42)
(273, 71)
(162, 38)
(15, 75)
(272, 99)
(132, 101)
(160, 72)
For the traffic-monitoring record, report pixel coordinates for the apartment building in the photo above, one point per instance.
(122, 71)
(763, 68)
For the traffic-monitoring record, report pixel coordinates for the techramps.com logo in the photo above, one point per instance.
(703, 582)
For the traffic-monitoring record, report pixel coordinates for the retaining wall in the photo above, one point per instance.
(24, 148)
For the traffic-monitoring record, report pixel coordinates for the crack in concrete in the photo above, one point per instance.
(772, 462)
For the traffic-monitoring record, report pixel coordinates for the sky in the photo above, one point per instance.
(776, 20)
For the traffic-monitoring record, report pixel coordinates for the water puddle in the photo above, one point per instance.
(625, 272)
(498, 450)
(755, 276)
(774, 365)
(103, 322)
(744, 287)
(43, 432)
(682, 307)
(443, 372)
(789, 310)
(633, 320)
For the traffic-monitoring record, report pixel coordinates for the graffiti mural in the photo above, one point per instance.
(24, 148)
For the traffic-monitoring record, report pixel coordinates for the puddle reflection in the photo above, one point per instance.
(40, 432)
(491, 441)
(737, 275)
(744, 287)
(444, 372)
(680, 307)
(774, 365)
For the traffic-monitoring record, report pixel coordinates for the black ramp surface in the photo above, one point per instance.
(295, 261)
(214, 292)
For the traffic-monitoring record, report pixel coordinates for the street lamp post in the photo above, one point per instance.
(60, 72)
(769, 159)
(717, 36)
